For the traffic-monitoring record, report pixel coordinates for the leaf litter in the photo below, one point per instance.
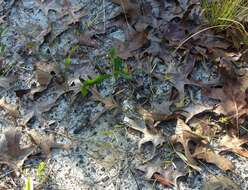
(152, 28)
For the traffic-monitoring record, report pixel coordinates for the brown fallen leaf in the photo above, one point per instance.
(86, 38)
(46, 143)
(178, 75)
(234, 144)
(233, 100)
(166, 174)
(44, 73)
(151, 117)
(135, 41)
(194, 109)
(151, 135)
(162, 180)
(219, 183)
(184, 135)
(208, 155)
(11, 153)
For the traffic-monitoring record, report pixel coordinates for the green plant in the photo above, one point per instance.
(41, 171)
(118, 70)
(224, 12)
(28, 185)
(71, 52)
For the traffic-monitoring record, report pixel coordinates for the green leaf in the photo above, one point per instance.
(41, 171)
(117, 64)
(88, 83)
(84, 90)
(112, 53)
(68, 61)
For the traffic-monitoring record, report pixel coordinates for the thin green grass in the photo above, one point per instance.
(221, 12)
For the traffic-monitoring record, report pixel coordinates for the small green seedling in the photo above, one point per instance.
(88, 83)
(118, 71)
(118, 68)
(71, 52)
(29, 184)
(41, 171)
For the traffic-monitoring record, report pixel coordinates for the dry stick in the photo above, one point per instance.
(195, 34)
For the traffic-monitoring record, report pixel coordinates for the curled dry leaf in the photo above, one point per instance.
(233, 144)
(11, 152)
(150, 135)
(46, 143)
(208, 155)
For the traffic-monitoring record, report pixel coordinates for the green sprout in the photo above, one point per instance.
(118, 71)
(41, 171)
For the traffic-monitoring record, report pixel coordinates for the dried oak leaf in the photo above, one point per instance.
(11, 152)
(165, 174)
(184, 135)
(233, 95)
(44, 73)
(130, 10)
(151, 117)
(153, 136)
(194, 109)
(135, 41)
(178, 75)
(46, 143)
(207, 154)
(234, 144)
(37, 109)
